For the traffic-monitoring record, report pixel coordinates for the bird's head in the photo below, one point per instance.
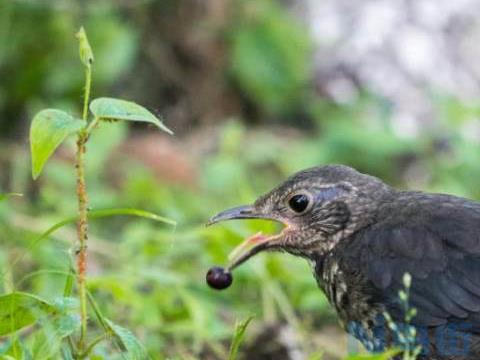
(318, 208)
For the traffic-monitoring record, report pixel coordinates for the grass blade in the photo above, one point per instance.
(238, 336)
(95, 214)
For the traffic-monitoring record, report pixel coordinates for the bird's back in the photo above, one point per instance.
(436, 239)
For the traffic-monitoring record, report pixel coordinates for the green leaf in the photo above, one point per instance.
(116, 109)
(98, 313)
(69, 281)
(67, 353)
(18, 310)
(130, 345)
(49, 129)
(15, 350)
(238, 336)
(86, 53)
(65, 305)
(53, 329)
(66, 324)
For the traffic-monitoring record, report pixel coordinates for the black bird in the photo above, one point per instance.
(361, 236)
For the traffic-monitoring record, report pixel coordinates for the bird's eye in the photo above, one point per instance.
(299, 203)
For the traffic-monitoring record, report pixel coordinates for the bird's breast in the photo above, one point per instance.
(347, 293)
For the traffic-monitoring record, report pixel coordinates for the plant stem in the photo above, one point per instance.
(94, 343)
(82, 230)
(82, 225)
(86, 96)
(92, 125)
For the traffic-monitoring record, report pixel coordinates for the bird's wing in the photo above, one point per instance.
(437, 241)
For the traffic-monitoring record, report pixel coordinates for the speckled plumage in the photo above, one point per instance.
(362, 236)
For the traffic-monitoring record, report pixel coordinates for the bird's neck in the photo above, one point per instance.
(364, 211)
(362, 214)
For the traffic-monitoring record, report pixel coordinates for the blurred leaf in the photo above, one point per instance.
(18, 310)
(69, 281)
(5, 196)
(112, 38)
(67, 353)
(132, 348)
(49, 129)
(387, 355)
(66, 304)
(454, 111)
(98, 313)
(66, 324)
(15, 350)
(238, 336)
(116, 109)
(270, 56)
(47, 342)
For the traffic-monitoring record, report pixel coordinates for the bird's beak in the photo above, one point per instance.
(254, 244)
(240, 212)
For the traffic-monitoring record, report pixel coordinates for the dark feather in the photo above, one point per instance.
(437, 240)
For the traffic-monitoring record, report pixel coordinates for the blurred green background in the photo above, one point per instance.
(237, 81)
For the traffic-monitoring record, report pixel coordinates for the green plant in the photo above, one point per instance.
(60, 319)
(405, 333)
(387, 355)
(238, 336)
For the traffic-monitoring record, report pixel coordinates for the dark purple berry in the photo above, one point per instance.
(218, 278)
